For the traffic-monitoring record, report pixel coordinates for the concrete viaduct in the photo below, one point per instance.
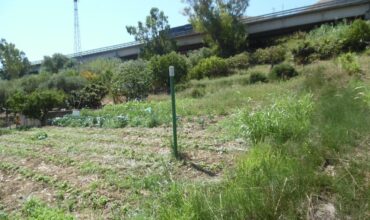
(259, 27)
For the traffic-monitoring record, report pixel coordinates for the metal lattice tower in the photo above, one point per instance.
(77, 41)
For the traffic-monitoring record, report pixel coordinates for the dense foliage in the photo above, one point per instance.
(221, 22)
(209, 67)
(14, 63)
(283, 71)
(132, 80)
(160, 64)
(56, 63)
(155, 34)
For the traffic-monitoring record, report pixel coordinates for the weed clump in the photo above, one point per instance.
(283, 72)
(256, 77)
(287, 119)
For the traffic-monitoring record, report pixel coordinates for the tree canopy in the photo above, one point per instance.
(155, 34)
(220, 20)
(14, 62)
(56, 62)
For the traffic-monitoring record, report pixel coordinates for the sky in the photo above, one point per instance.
(45, 27)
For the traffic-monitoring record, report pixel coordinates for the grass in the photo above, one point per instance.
(306, 140)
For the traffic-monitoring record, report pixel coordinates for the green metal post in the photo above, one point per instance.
(174, 118)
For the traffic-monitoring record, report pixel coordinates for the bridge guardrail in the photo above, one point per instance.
(302, 9)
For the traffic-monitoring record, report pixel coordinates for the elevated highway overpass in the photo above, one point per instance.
(258, 27)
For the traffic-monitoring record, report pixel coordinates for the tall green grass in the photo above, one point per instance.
(284, 176)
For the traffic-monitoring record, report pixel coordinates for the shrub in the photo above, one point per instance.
(349, 62)
(195, 56)
(283, 71)
(66, 81)
(57, 62)
(271, 55)
(303, 53)
(100, 71)
(357, 36)
(31, 83)
(88, 97)
(160, 65)
(210, 67)
(327, 40)
(40, 102)
(133, 80)
(257, 77)
(239, 61)
(6, 89)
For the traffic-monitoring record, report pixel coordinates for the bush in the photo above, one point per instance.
(239, 61)
(271, 55)
(40, 102)
(257, 77)
(66, 81)
(160, 64)
(327, 40)
(357, 36)
(210, 67)
(56, 63)
(6, 89)
(283, 71)
(31, 83)
(303, 53)
(195, 56)
(133, 79)
(88, 97)
(100, 71)
(349, 63)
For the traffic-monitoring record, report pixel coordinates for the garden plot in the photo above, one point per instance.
(92, 172)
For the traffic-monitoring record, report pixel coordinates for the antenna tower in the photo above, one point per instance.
(77, 41)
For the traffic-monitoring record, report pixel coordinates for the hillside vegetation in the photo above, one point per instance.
(277, 133)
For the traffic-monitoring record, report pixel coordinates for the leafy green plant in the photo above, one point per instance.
(283, 72)
(40, 136)
(257, 77)
(270, 55)
(349, 63)
(303, 53)
(239, 61)
(34, 209)
(160, 64)
(88, 97)
(133, 80)
(195, 56)
(357, 36)
(209, 67)
(39, 103)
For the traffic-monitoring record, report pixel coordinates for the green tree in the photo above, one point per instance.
(155, 34)
(14, 62)
(40, 102)
(159, 66)
(56, 62)
(132, 80)
(220, 20)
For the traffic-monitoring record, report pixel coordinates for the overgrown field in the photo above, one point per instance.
(287, 149)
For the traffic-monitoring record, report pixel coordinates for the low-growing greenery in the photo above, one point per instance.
(283, 72)
(209, 67)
